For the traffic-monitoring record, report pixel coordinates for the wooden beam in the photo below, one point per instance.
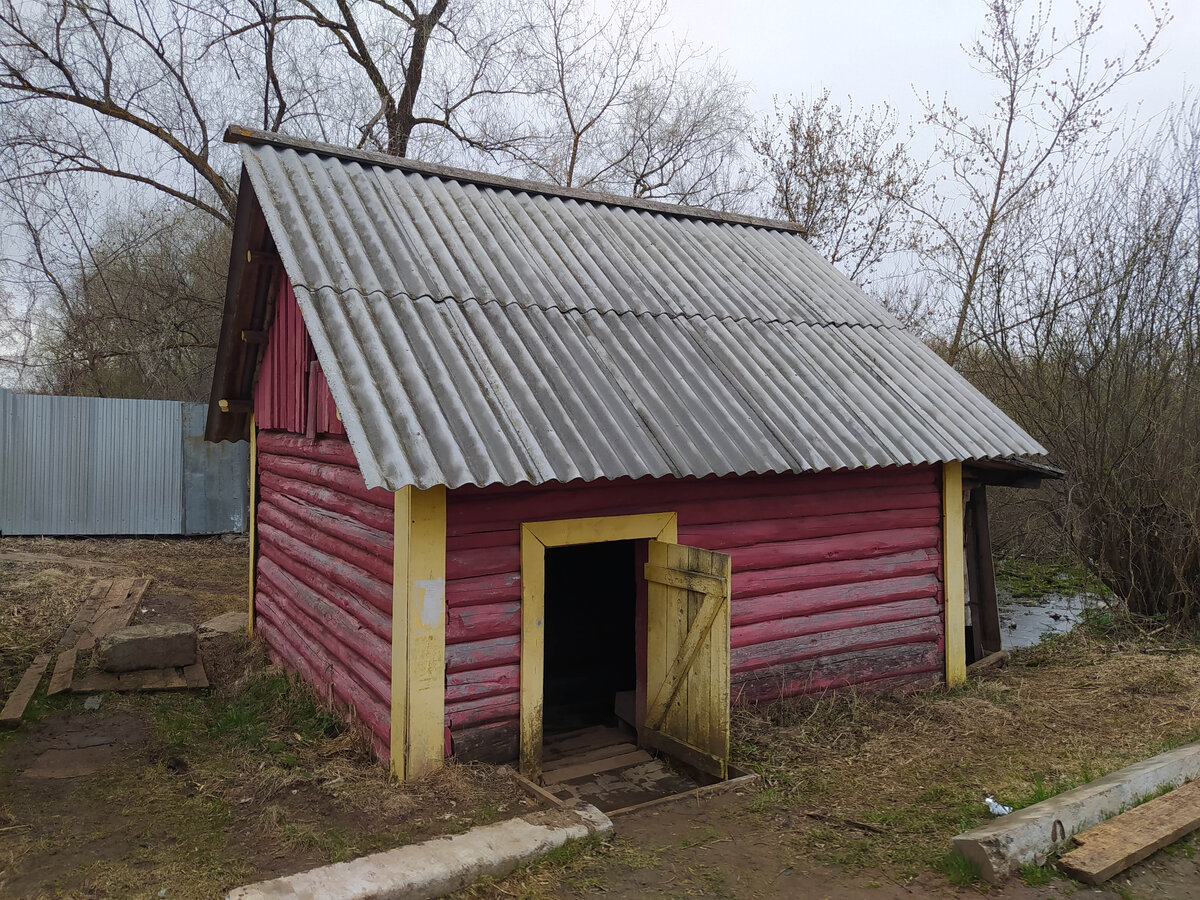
(238, 406)
(954, 574)
(989, 610)
(1115, 845)
(253, 519)
(20, 697)
(533, 635)
(251, 336)
(418, 632)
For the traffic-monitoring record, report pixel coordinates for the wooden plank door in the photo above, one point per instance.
(687, 656)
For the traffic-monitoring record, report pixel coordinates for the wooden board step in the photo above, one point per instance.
(1115, 845)
(19, 698)
(581, 770)
(596, 755)
(64, 671)
(115, 610)
(86, 613)
(569, 743)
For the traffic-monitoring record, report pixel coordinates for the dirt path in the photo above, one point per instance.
(719, 848)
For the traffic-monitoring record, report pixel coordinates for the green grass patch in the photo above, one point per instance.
(959, 870)
(1027, 579)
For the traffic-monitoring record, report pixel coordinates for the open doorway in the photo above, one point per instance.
(591, 636)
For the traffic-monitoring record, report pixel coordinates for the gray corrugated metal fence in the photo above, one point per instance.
(83, 465)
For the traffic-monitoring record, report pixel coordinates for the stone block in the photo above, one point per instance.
(147, 647)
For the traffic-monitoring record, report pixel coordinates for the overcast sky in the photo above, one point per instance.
(881, 50)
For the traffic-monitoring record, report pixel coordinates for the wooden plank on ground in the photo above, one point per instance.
(64, 671)
(1122, 841)
(549, 769)
(85, 614)
(556, 747)
(597, 766)
(195, 676)
(19, 698)
(141, 680)
(116, 610)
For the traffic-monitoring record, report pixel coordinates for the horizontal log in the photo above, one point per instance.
(327, 591)
(826, 574)
(472, 509)
(827, 599)
(705, 511)
(483, 654)
(345, 627)
(867, 545)
(780, 629)
(475, 540)
(768, 531)
(476, 623)
(287, 611)
(369, 514)
(314, 666)
(481, 711)
(341, 478)
(479, 561)
(348, 578)
(827, 643)
(483, 590)
(375, 545)
(482, 683)
(374, 573)
(329, 450)
(878, 666)
(496, 743)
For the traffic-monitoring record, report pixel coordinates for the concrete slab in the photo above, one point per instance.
(437, 867)
(226, 623)
(162, 646)
(1033, 833)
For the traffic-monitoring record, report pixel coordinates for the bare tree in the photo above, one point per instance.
(1102, 364)
(1050, 101)
(614, 111)
(844, 177)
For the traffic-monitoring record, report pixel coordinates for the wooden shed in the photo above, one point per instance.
(524, 456)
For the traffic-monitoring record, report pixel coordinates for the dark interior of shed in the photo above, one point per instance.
(590, 637)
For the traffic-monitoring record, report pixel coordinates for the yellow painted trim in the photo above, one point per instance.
(954, 573)
(253, 519)
(535, 538)
(418, 632)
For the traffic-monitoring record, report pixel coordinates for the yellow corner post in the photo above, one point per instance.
(418, 632)
(954, 573)
(253, 516)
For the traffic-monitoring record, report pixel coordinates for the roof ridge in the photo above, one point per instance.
(236, 134)
(665, 314)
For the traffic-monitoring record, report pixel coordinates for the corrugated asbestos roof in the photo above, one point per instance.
(474, 332)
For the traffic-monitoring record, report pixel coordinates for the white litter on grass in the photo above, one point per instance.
(93, 702)
(997, 809)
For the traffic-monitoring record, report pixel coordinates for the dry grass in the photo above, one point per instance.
(918, 766)
(253, 778)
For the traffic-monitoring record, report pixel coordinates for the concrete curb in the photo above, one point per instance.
(436, 867)
(1031, 834)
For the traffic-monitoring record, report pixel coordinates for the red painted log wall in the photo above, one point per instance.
(836, 581)
(323, 591)
(289, 379)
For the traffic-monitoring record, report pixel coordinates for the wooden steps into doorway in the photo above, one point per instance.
(604, 766)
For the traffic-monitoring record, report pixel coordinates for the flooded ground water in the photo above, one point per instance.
(1037, 600)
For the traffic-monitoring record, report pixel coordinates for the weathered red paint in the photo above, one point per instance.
(286, 381)
(836, 580)
(324, 572)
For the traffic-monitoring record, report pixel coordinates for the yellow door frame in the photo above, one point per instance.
(954, 574)
(535, 538)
